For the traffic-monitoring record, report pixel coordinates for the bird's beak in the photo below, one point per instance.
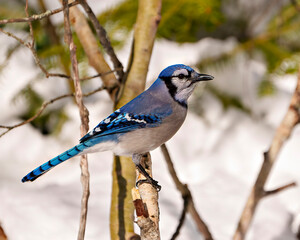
(197, 77)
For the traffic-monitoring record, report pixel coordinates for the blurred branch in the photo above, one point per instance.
(30, 46)
(282, 134)
(145, 200)
(147, 21)
(36, 17)
(91, 48)
(43, 107)
(277, 190)
(181, 219)
(186, 195)
(2, 234)
(296, 5)
(103, 38)
(83, 112)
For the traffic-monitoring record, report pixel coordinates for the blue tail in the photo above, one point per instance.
(39, 171)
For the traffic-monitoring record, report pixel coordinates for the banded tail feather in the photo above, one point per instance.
(39, 171)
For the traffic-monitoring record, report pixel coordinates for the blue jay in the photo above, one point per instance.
(143, 124)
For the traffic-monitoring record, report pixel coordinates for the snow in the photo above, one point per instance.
(218, 155)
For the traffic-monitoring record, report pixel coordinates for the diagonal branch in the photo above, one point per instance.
(83, 112)
(186, 194)
(103, 38)
(43, 107)
(37, 16)
(282, 134)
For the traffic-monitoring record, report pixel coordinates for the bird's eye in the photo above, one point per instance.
(181, 76)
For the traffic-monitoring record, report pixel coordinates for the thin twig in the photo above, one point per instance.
(43, 107)
(83, 112)
(103, 38)
(182, 218)
(282, 134)
(37, 16)
(185, 192)
(279, 189)
(30, 46)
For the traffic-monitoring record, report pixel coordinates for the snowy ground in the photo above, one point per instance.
(217, 155)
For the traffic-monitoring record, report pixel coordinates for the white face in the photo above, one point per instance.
(185, 87)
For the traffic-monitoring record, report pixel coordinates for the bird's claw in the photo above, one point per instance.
(152, 182)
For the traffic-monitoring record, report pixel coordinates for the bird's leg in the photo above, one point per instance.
(137, 161)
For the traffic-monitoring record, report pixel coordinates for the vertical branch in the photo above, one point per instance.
(186, 196)
(283, 132)
(145, 200)
(84, 120)
(147, 21)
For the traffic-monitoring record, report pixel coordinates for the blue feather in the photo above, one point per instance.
(39, 171)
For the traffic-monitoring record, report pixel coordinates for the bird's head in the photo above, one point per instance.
(181, 81)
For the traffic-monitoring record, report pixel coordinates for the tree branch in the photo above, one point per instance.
(186, 195)
(282, 134)
(145, 200)
(103, 38)
(43, 107)
(91, 48)
(83, 112)
(36, 17)
(182, 218)
(123, 168)
(2, 234)
(279, 189)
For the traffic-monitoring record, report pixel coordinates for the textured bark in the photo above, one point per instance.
(145, 200)
(121, 216)
(282, 134)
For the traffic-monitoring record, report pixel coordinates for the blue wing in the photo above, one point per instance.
(121, 122)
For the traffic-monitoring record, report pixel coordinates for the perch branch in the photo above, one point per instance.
(145, 200)
(103, 38)
(83, 112)
(186, 194)
(282, 134)
(36, 17)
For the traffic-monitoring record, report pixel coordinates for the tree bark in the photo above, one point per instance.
(121, 216)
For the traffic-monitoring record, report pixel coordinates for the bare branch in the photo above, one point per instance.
(2, 234)
(103, 38)
(91, 48)
(36, 17)
(186, 194)
(43, 107)
(83, 112)
(277, 190)
(182, 218)
(282, 134)
(145, 200)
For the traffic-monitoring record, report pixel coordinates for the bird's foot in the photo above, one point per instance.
(152, 182)
(148, 179)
